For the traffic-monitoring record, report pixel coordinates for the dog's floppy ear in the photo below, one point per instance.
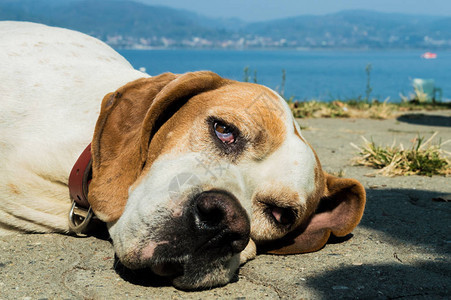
(128, 119)
(338, 213)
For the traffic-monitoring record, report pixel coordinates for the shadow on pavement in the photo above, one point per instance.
(411, 216)
(143, 277)
(429, 120)
(406, 218)
(386, 281)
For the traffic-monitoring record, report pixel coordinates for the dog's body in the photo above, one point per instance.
(52, 81)
(250, 177)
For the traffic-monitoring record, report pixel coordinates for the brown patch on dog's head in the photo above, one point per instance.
(153, 116)
(233, 103)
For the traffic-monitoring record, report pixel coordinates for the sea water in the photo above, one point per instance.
(321, 75)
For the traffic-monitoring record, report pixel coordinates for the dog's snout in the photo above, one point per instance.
(220, 221)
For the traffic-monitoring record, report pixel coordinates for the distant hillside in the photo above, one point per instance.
(128, 24)
(119, 21)
(359, 29)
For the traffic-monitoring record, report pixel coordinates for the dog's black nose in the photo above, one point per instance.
(220, 222)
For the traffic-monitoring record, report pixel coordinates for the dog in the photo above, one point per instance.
(190, 172)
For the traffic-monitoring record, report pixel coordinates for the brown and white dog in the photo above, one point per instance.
(190, 172)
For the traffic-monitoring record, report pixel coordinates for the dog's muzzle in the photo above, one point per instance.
(204, 240)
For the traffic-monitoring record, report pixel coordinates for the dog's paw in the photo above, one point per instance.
(249, 252)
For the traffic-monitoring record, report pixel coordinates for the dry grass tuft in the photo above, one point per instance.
(341, 109)
(357, 109)
(422, 158)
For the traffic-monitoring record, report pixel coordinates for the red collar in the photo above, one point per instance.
(79, 178)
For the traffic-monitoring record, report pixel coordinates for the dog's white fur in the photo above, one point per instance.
(51, 84)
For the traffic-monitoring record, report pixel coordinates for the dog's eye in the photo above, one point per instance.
(224, 133)
(282, 215)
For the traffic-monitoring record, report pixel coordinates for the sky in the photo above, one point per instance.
(262, 10)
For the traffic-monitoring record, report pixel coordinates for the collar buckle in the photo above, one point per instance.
(79, 218)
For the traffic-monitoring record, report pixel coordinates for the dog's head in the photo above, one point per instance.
(191, 171)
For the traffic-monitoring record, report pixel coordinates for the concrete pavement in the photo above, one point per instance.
(401, 249)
